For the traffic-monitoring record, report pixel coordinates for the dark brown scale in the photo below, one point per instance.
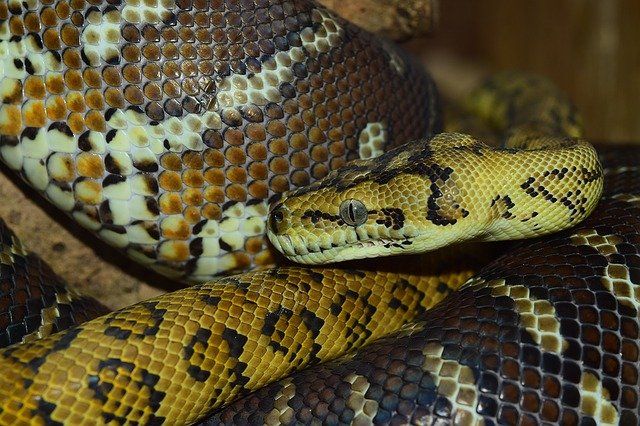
(513, 380)
(33, 298)
(174, 69)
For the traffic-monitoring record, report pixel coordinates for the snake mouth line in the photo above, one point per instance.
(298, 251)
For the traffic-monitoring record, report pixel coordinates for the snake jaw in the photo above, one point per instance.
(353, 243)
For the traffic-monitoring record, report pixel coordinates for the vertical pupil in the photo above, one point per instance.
(352, 213)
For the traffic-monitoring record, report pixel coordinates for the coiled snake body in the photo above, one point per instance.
(166, 127)
(546, 334)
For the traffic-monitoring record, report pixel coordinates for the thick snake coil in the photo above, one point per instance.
(546, 334)
(165, 127)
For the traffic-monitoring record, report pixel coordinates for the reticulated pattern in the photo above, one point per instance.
(547, 333)
(165, 126)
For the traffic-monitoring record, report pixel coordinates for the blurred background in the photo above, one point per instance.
(589, 48)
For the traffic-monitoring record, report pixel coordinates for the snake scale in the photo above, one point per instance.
(168, 127)
(546, 334)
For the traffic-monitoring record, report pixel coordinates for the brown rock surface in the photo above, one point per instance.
(395, 19)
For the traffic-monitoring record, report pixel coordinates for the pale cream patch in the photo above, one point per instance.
(101, 38)
(140, 209)
(147, 11)
(119, 141)
(138, 234)
(454, 381)
(372, 140)
(86, 220)
(36, 173)
(122, 160)
(88, 191)
(238, 223)
(616, 279)
(62, 198)
(604, 244)
(140, 186)
(233, 240)
(143, 156)
(263, 87)
(61, 167)
(538, 317)
(12, 156)
(595, 400)
(37, 148)
(281, 412)
(364, 409)
(118, 192)
(260, 88)
(326, 36)
(252, 226)
(113, 238)
(9, 87)
(173, 250)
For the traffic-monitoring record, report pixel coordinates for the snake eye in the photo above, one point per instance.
(275, 218)
(353, 212)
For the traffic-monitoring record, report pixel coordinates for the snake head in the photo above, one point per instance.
(398, 203)
(429, 194)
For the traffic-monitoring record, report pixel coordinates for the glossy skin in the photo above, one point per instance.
(166, 128)
(547, 333)
(431, 193)
(120, 134)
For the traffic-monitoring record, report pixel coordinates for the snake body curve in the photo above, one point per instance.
(150, 136)
(166, 126)
(546, 334)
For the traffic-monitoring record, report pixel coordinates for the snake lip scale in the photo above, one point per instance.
(317, 253)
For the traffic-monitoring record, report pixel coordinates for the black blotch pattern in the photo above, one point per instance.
(199, 342)
(516, 381)
(236, 342)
